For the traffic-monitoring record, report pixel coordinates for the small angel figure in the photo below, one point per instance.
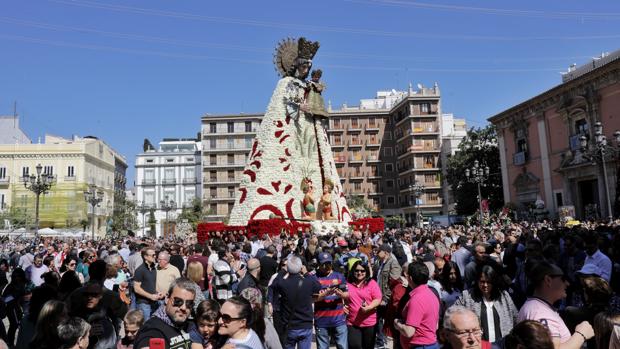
(314, 100)
(308, 209)
(326, 200)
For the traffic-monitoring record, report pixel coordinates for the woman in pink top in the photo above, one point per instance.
(362, 299)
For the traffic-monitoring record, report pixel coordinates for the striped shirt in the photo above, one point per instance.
(223, 280)
(251, 341)
(329, 312)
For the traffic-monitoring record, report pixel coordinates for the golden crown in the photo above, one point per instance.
(306, 49)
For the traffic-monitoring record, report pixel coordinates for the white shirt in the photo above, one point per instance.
(490, 320)
(602, 261)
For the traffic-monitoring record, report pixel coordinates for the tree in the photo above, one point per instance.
(193, 213)
(396, 221)
(124, 214)
(152, 223)
(479, 144)
(17, 217)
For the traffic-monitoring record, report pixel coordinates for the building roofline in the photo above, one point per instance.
(208, 117)
(555, 90)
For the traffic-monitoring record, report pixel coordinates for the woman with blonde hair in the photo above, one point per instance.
(195, 272)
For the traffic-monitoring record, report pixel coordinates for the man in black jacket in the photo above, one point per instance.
(170, 321)
(250, 280)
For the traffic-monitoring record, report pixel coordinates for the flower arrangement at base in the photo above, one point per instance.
(374, 224)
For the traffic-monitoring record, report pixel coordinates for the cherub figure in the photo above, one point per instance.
(326, 200)
(308, 209)
(314, 100)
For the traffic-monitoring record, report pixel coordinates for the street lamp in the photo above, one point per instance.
(143, 208)
(478, 175)
(93, 197)
(39, 184)
(599, 152)
(167, 206)
(417, 189)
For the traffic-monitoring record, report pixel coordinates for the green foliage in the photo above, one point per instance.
(193, 213)
(17, 216)
(84, 224)
(359, 206)
(479, 144)
(124, 215)
(396, 221)
(152, 223)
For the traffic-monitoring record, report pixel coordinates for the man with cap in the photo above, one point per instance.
(329, 317)
(388, 270)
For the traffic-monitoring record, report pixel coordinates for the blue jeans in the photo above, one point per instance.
(323, 333)
(428, 346)
(300, 338)
(146, 308)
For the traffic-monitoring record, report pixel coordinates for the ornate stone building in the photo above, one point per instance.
(540, 151)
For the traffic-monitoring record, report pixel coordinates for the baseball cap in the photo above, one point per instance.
(590, 269)
(325, 257)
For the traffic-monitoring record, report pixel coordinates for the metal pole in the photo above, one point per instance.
(480, 201)
(93, 221)
(609, 214)
(36, 215)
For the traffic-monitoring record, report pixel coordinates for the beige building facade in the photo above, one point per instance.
(76, 164)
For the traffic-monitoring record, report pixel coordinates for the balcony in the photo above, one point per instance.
(519, 158)
(67, 179)
(372, 128)
(373, 159)
(356, 144)
(373, 142)
(575, 142)
(357, 176)
(148, 182)
(374, 175)
(341, 159)
(338, 144)
(223, 181)
(425, 128)
(189, 180)
(168, 181)
(354, 128)
(335, 129)
(356, 159)
(224, 164)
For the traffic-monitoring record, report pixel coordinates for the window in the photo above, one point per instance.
(169, 160)
(389, 183)
(387, 135)
(149, 161)
(212, 159)
(248, 142)
(231, 192)
(70, 171)
(48, 170)
(189, 173)
(389, 167)
(581, 127)
(2, 172)
(231, 175)
(213, 192)
(357, 186)
(354, 123)
(213, 208)
(212, 143)
(387, 151)
(390, 200)
(149, 197)
(231, 159)
(25, 171)
(212, 127)
(149, 174)
(2, 202)
(372, 123)
(189, 159)
(336, 123)
(213, 176)
(189, 196)
(231, 143)
(425, 107)
(248, 126)
(337, 139)
(169, 173)
(231, 127)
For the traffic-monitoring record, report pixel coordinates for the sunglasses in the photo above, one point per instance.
(228, 319)
(178, 302)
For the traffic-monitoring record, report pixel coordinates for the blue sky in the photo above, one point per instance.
(129, 70)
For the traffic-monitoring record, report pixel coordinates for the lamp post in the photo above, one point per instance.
(167, 206)
(478, 175)
(417, 189)
(39, 184)
(93, 197)
(143, 208)
(599, 152)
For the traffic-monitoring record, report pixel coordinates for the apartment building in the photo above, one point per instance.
(167, 179)
(453, 132)
(76, 164)
(226, 143)
(381, 147)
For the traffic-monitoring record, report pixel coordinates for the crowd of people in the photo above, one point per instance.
(509, 285)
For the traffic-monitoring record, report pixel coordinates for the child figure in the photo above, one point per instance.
(314, 99)
(132, 322)
(308, 210)
(326, 200)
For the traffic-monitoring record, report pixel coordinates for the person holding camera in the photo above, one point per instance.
(329, 316)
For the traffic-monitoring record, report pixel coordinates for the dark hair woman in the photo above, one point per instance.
(51, 315)
(451, 283)
(238, 321)
(14, 296)
(529, 334)
(491, 302)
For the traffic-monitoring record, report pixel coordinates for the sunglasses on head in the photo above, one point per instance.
(228, 319)
(178, 302)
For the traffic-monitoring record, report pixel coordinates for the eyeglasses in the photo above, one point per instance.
(178, 302)
(360, 271)
(228, 319)
(464, 334)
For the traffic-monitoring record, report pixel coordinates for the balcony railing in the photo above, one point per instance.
(356, 143)
(168, 181)
(356, 158)
(189, 180)
(340, 159)
(148, 182)
(5, 180)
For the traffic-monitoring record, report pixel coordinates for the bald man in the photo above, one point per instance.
(250, 280)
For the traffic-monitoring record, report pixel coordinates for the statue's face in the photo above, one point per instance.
(302, 70)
